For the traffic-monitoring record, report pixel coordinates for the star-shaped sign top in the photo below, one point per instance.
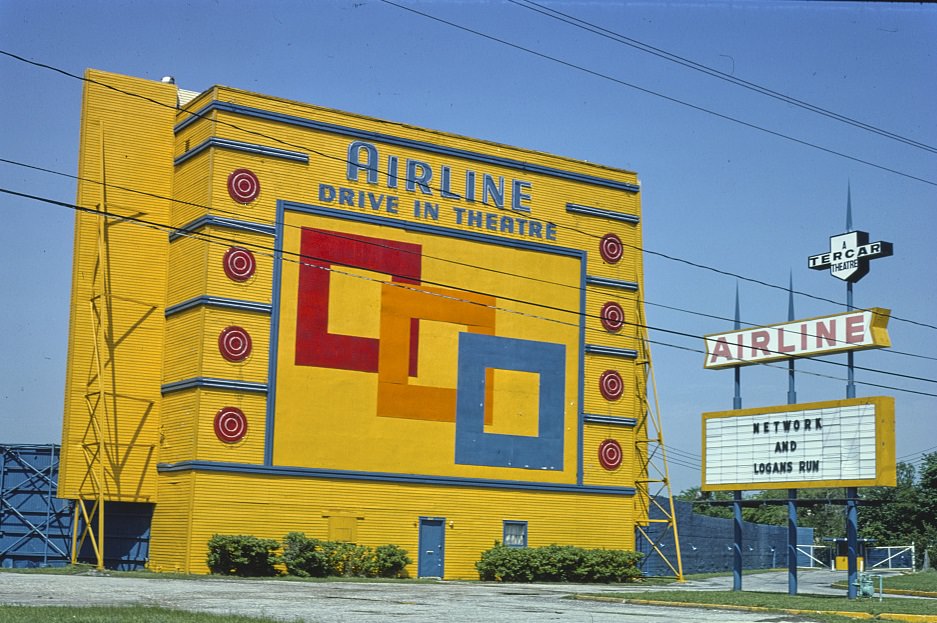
(849, 255)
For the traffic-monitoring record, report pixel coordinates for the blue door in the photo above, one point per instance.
(432, 547)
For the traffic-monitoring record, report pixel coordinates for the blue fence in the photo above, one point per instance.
(706, 544)
(35, 526)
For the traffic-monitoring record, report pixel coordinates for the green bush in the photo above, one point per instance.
(308, 557)
(242, 555)
(557, 563)
(391, 561)
(304, 557)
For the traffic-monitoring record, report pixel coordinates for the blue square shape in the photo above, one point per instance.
(473, 446)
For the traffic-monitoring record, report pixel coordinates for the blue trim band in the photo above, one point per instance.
(610, 420)
(611, 283)
(430, 229)
(308, 472)
(407, 143)
(220, 221)
(575, 208)
(611, 351)
(210, 383)
(251, 148)
(217, 301)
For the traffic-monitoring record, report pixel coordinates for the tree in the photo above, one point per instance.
(906, 513)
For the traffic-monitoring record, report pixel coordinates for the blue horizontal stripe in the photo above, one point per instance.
(627, 353)
(609, 419)
(408, 143)
(574, 208)
(251, 148)
(448, 481)
(210, 383)
(217, 301)
(220, 221)
(611, 283)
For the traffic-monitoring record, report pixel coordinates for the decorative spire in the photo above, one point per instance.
(738, 317)
(848, 206)
(790, 296)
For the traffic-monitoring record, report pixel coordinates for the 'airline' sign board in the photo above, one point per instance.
(854, 330)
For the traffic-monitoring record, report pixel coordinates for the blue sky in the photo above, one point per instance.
(714, 192)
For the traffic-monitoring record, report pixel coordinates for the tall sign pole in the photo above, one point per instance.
(737, 495)
(791, 493)
(848, 259)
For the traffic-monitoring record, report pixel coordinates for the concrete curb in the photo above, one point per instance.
(908, 618)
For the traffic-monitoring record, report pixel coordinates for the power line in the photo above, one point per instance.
(493, 270)
(273, 250)
(344, 160)
(680, 60)
(674, 100)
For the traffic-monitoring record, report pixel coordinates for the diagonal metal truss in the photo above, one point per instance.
(654, 496)
(88, 523)
(39, 481)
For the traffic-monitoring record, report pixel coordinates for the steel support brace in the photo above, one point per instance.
(792, 541)
(852, 540)
(737, 542)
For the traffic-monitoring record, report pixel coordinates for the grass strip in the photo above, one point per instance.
(109, 614)
(778, 601)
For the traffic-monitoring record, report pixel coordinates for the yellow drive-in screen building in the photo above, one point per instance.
(289, 318)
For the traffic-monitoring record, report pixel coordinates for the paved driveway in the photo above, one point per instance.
(348, 602)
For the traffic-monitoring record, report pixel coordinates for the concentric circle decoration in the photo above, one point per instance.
(239, 264)
(611, 385)
(610, 454)
(230, 424)
(613, 317)
(243, 185)
(234, 343)
(611, 249)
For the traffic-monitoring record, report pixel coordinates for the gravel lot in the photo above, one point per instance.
(349, 602)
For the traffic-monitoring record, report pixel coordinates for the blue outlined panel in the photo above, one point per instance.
(473, 446)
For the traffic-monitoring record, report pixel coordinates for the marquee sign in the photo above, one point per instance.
(839, 443)
(849, 255)
(855, 330)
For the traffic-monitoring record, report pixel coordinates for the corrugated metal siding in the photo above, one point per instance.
(254, 367)
(626, 406)
(192, 187)
(179, 427)
(250, 449)
(137, 152)
(188, 268)
(184, 345)
(271, 507)
(170, 530)
(258, 288)
(593, 472)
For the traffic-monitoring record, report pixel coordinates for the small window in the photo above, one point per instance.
(515, 533)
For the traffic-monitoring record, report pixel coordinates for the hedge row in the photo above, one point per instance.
(557, 563)
(302, 556)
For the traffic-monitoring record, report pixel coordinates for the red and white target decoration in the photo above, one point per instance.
(239, 264)
(610, 454)
(243, 185)
(613, 317)
(230, 424)
(611, 385)
(611, 249)
(234, 343)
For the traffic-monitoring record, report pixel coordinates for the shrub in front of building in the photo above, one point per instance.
(243, 555)
(303, 556)
(557, 563)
